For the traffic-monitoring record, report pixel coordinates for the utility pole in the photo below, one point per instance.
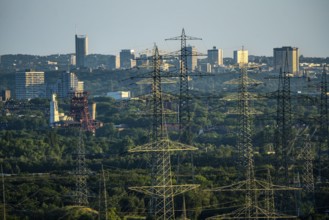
(162, 190)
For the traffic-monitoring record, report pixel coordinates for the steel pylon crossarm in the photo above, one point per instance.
(255, 213)
(163, 145)
(260, 185)
(159, 190)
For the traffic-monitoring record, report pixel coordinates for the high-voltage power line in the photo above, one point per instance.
(250, 186)
(162, 189)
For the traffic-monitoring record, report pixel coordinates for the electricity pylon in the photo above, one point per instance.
(269, 195)
(184, 97)
(102, 203)
(307, 157)
(284, 122)
(162, 190)
(3, 194)
(283, 148)
(81, 175)
(243, 82)
(308, 177)
(251, 208)
(324, 121)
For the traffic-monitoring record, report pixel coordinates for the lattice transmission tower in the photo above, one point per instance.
(269, 195)
(81, 173)
(250, 186)
(243, 82)
(162, 190)
(184, 96)
(324, 122)
(102, 202)
(307, 157)
(283, 150)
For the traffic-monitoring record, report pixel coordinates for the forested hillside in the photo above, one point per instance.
(39, 162)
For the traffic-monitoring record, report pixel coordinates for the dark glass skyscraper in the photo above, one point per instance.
(81, 50)
(127, 59)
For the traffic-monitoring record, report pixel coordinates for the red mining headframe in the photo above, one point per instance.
(79, 111)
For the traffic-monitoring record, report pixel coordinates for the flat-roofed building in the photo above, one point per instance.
(127, 59)
(119, 95)
(215, 56)
(279, 56)
(240, 56)
(192, 59)
(30, 84)
(81, 50)
(6, 95)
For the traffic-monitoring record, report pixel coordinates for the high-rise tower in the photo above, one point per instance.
(215, 56)
(81, 50)
(192, 60)
(240, 56)
(292, 54)
(30, 84)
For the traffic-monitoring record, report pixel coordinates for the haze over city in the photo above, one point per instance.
(118, 110)
(48, 27)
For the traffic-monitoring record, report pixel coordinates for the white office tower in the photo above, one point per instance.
(30, 84)
(54, 116)
(240, 56)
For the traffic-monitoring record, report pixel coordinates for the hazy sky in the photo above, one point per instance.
(44, 27)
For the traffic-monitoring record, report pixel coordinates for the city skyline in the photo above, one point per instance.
(48, 27)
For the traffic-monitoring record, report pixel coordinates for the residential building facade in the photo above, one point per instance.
(30, 84)
(280, 54)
